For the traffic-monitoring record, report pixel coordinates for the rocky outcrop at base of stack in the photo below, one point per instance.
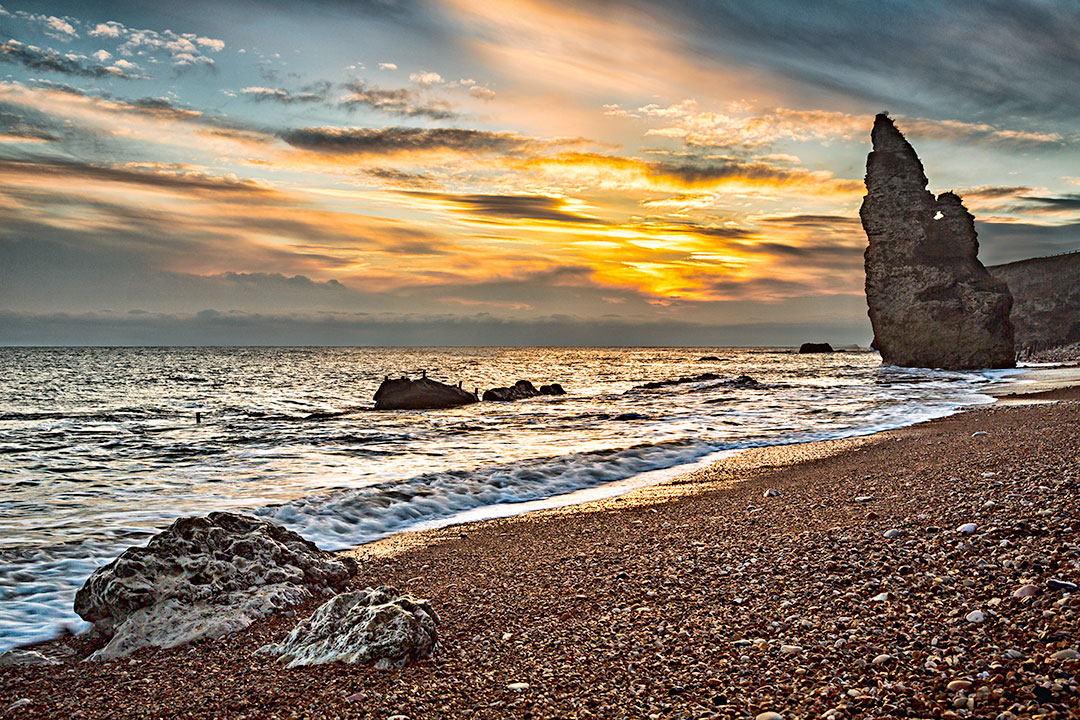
(374, 625)
(204, 577)
(931, 302)
(422, 394)
(811, 347)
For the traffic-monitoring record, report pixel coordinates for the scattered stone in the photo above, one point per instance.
(791, 649)
(883, 659)
(980, 433)
(959, 686)
(931, 302)
(967, 529)
(771, 492)
(422, 394)
(864, 499)
(880, 597)
(1028, 590)
(374, 625)
(204, 577)
(518, 686)
(975, 616)
(1063, 585)
(891, 533)
(1066, 654)
(769, 716)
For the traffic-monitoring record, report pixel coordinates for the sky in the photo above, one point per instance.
(467, 172)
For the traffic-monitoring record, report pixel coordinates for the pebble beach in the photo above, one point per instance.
(927, 572)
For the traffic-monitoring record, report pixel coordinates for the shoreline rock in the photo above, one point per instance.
(522, 390)
(812, 347)
(204, 577)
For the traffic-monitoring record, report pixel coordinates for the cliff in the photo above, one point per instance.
(1046, 294)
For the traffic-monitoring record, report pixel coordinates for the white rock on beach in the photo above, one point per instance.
(975, 616)
(204, 577)
(967, 528)
(25, 657)
(374, 625)
(890, 534)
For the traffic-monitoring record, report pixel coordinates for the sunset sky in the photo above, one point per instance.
(513, 172)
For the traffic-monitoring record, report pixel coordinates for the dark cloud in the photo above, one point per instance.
(171, 177)
(1011, 241)
(816, 221)
(392, 140)
(48, 60)
(992, 193)
(397, 178)
(398, 101)
(1064, 202)
(511, 207)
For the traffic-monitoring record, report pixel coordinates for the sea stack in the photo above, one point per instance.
(931, 302)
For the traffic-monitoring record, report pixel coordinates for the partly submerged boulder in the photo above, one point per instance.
(374, 625)
(422, 394)
(204, 577)
(811, 347)
(521, 390)
(931, 302)
(743, 381)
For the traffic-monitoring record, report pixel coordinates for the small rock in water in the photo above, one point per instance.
(518, 686)
(890, 534)
(1028, 590)
(771, 492)
(975, 616)
(967, 528)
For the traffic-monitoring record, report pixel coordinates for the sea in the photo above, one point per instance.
(100, 448)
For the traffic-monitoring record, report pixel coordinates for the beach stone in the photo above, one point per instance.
(518, 686)
(890, 534)
(791, 649)
(1028, 590)
(1066, 654)
(864, 499)
(931, 302)
(771, 492)
(421, 394)
(958, 686)
(25, 657)
(204, 577)
(967, 528)
(883, 659)
(1063, 585)
(980, 433)
(975, 616)
(373, 625)
(769, 716)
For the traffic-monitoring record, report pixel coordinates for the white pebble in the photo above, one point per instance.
(967, 528)
(890, 534)
(769, 716)
(790, 649)
(981, 433)
(975, 616)
(518, 686)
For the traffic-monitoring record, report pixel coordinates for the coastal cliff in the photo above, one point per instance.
(931, 302)
(1046, 309)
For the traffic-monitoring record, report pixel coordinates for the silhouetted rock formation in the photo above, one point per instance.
(743, 381)
(709, 358)
(931, 302)
(422, 394)
(807, 348)
(204, 577)
(1046, 301)
(521, 390)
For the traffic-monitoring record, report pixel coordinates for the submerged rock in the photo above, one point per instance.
(204, 577)
(521, 390)
(931, 302)
(810, 347)
(422, 394)
(374, 625)
(743, 381)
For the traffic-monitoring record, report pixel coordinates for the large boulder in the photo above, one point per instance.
(422, 394)
(204, 577)
(931, 302)
(380, 625)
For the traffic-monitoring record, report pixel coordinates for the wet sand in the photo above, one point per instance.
(701, 597)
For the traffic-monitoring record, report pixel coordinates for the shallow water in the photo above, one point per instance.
(99, 447)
